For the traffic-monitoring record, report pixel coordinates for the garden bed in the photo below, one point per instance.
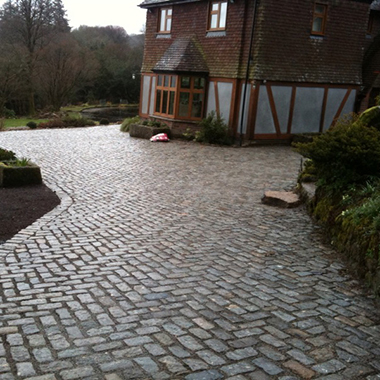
(21, 206)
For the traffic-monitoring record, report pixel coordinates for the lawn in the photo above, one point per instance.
(9, 123)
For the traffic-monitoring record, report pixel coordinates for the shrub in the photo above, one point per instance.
(188, 134)
(22, 162)
(9, 114)
(127, 123)
(104, 122)
(370, 118)
(213, 130)
(31, 125)
(78, 122)
(58, 123)
(68, 122)
(346, 154)
(7, 155)
(154, 124)
(346, 162)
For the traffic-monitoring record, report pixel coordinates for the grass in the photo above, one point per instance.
(11, 123)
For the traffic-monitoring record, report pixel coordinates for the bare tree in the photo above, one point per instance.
(29, 26)
(11, 70)
(65, 67)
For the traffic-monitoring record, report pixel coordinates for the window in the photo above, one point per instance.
(165, 94)
(181, 97)
(218, 15)
(165, 22)
(191, 97)
(319, 19)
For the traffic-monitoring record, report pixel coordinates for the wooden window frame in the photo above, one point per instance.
(177, 91)
(169, 89)
(322, 16)
(192, 90)
(218, 13)
(167, 17)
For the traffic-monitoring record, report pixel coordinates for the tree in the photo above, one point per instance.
(29, 26)
(65, 67)
(119, 56)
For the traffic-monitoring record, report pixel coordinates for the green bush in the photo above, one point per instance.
(31, 125)
(370, 117)
(104, 122)
(346, 154)
(9, 114)
(154, 124)
(346, 162)
(188, 134)
(7, 155)
(57, 123)
(127, 123)
(68, 122)
(77, 122)
(213, 130)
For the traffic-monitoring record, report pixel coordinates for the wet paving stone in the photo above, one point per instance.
(161, 262)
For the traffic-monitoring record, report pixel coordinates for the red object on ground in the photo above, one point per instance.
(160, 137)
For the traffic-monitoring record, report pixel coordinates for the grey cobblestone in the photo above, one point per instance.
(161, 262)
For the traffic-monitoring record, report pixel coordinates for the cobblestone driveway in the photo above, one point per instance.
(161, 263)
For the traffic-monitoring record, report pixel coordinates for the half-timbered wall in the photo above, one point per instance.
(279, 110)
(220, 98)
(272, 110)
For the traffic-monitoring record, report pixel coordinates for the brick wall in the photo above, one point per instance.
(222, 54)
(285, 50)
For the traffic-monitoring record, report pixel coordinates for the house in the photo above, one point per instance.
(270, 68)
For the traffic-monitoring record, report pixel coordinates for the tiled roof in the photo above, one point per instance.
(153, 3)
(183, 55)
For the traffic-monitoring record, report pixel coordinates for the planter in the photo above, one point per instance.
(13, 176)
(146, 132)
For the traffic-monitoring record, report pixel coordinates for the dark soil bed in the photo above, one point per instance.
(21, 206)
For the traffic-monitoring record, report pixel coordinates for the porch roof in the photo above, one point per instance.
(183, 55)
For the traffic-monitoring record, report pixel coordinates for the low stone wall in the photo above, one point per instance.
(146, 132)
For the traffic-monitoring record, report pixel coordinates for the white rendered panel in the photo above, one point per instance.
(307, 110)
(211, 103)
(282, 96)
(264, 117)
(145, 95)
(152, 93)
(225, 97)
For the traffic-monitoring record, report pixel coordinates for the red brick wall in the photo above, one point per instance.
(222, 53)
(285, 50)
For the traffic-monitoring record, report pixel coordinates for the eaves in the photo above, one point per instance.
(157, 3)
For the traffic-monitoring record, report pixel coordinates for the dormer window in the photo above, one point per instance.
(218, 15)
(165, 22)
(319, 19)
